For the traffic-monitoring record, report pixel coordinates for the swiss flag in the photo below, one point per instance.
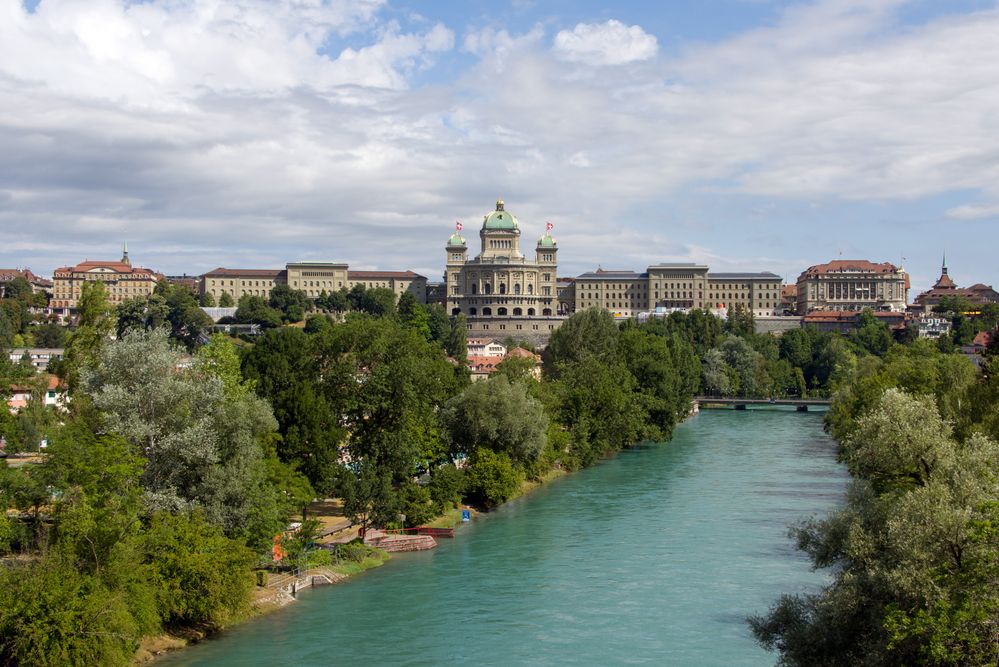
(457, 225)
(549, 226)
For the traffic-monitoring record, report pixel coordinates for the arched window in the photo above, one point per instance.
(487, 311)
(501, 311)
(530, 312)
(472, 311)
(502, 288)
(518, 311)
(456, 311)
(489, 289)
(546, 312)
(516, 288)
(530, 289)
(475, 288)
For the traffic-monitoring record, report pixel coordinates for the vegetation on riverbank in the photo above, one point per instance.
(915, 550)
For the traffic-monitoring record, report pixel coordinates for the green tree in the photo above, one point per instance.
(226, 300)
(590, 332)
(207, 300)
(499, 415)
(492, 477)
(292, 303)
(254, 310)
(96, 321)
(201, 577)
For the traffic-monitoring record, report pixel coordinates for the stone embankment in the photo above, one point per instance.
(396, 543)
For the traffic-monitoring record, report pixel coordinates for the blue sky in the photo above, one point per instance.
(745, 134)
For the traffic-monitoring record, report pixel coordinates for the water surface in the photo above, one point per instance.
(653, 557)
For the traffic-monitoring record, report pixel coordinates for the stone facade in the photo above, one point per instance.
(123, 281)
(313, 278)
(682, 286)
(853, 285)
(500, 291)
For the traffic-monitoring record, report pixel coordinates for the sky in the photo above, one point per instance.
(749, 135)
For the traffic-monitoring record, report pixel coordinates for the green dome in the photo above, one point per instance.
(456, 240)
(500, 218)
(546, 241)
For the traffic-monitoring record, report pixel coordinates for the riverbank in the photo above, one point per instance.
(666, 549)
(265, 601)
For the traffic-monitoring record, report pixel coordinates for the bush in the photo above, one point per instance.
(492, 479)
(201, 577)
(353, 551)
(447, 486)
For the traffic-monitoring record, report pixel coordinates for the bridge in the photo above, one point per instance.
(802, 404)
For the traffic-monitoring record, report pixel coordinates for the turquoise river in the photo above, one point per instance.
(655, 556)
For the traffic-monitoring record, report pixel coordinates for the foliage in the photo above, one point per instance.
(492, 478)
(200, 576)
(498, 415)
(914, 550)
(255, 310)
(291, 303)
(226, 300)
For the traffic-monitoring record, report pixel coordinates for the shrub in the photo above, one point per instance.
(492, 479)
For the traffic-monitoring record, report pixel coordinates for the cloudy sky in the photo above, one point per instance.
(746, 134)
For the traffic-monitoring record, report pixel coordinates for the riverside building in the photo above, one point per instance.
(677, 286)
(500, 291)
(123, 281)
(853, 285)
(313, 278)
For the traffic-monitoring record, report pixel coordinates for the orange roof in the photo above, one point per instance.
(117, 267)
(53, 383)
(789, 290)
(522, 353)
(982, 338)
(483, 364)
(847, 265)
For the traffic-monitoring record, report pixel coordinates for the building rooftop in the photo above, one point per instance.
(223, 272)
(374, 275)
(604, 274)
(761, 275)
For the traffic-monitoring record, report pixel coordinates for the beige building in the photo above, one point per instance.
(123, 281)
(682, 286)
(853, 285)
(313, 278)
(500, 291)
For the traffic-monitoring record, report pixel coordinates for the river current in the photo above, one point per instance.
(655, 556)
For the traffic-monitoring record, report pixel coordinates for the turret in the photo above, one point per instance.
(124, 254)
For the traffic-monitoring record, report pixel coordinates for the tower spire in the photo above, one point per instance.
(943, 268)
(124, 254)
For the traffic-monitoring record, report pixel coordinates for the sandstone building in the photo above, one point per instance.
(853, 285)
(313, 278)
(681, 286)
(123, 281)
(500, 291)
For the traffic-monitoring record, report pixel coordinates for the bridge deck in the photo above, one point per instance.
(805, 403)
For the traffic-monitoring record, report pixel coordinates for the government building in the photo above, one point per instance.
(123, 281)
(679, 286)
(852, 285)
(500, 291)
(313, 278)
(977, 295)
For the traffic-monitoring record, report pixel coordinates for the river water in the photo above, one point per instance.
(655, 556)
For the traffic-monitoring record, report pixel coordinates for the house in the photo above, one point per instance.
(39, 356)
(521, 353)
(484, 347)
(930, 325)
(482, 367)
(54, 394)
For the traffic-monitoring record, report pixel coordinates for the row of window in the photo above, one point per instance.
(500, 312)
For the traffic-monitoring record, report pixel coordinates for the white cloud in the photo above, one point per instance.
(972, 212)
(610, 43)
(246, 133)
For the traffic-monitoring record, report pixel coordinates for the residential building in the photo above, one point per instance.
(38, 356)
(484, 347)
(853, 285)
(123, 281)
(789, 299)
(931, 325)
(500, 291)
(38, 284)
(53, 394)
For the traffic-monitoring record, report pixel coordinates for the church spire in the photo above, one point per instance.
(124, 254)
